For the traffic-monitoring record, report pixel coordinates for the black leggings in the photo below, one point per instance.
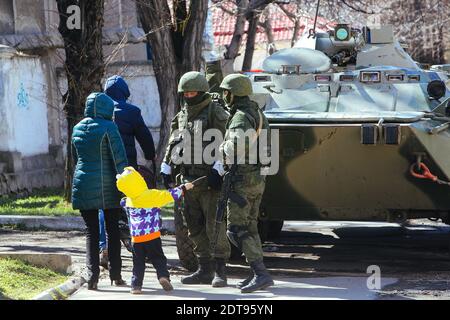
(90, 218)
(152, 250)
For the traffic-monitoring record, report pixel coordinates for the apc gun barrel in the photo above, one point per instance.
(339, 57)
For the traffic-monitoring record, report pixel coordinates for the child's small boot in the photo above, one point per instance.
(136, 290)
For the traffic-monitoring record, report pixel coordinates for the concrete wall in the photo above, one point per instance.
(26, 159)
(6, 16)
(24, 106)
(27, 19)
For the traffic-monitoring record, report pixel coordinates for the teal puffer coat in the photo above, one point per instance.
(100, 155)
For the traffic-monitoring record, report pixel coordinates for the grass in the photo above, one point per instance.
(167, 211)
(44, 202)
(22, 281)
(48, 202)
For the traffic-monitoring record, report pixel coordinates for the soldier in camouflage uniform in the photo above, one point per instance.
(214, 76)
(198, 114)
(249, 183)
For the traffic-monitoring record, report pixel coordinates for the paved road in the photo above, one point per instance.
(311, 260)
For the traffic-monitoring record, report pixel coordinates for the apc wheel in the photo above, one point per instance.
(185, 246)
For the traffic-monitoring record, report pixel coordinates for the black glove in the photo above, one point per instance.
(214, 180)
(167, 180)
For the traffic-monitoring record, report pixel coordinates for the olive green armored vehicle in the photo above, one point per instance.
(363, 131)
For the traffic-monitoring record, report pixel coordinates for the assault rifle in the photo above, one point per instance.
(227, 194)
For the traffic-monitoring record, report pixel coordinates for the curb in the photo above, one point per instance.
(42, 222)
(58, 262)
(63, 291)
(62, 223)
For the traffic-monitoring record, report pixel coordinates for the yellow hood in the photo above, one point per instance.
(131, 183)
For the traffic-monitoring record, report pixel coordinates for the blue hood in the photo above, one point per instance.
(117, 89)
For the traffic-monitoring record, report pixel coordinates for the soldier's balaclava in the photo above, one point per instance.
(194, 100)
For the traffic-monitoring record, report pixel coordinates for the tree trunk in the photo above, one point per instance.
(193, 36)
(169, 63)
(267, 25)
(251, 38)
(84, 67)
(157, 23)
(239, 30)
(295, 33)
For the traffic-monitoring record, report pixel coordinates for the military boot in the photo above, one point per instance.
(220, 276)
(245, 282)
(261, 280)
(203, 275)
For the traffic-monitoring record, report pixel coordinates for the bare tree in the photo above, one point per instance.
(176, 39)
(246, 11)
(83, 65)
(253, 21)
(239, 30)
(422, 26)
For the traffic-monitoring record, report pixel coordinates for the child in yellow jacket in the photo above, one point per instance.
(143, 206)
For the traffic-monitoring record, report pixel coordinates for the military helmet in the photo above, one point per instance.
(193, 81)
(238, 84)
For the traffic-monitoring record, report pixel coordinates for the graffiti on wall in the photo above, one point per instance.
(22, 97)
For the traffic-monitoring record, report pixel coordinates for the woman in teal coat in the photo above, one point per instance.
(100, 155)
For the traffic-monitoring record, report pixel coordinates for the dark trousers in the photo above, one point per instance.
(90, 218)
(152, 250)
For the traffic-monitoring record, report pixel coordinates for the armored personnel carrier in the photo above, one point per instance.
(363, 131)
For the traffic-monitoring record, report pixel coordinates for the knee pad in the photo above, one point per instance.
(237, 234)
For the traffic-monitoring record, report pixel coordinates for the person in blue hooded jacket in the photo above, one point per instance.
(129, 120)
(100, 155)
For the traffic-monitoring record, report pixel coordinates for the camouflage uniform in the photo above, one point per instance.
(242, 223)
(200, 202)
